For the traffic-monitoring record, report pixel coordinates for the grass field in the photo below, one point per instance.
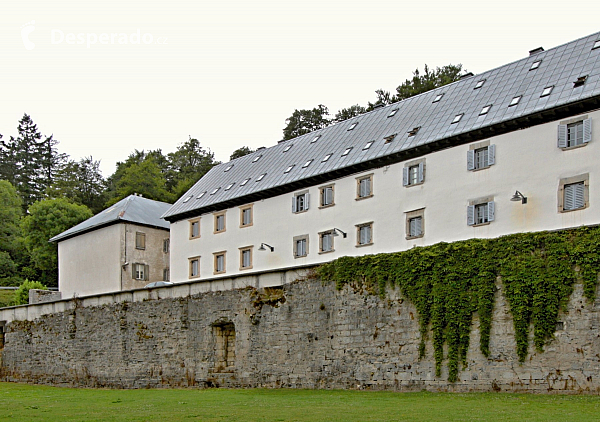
(6, 297)
(19, 402)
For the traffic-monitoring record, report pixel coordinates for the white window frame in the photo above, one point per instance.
(481, 211)
(363, 237)
(564, 133)
(301, 246)
(578, 188)
(326, 238)
(140, 272)
(300, 202)
(364, 187)
(324, 195)
(410, 216)
(413, 173)
(484, 150)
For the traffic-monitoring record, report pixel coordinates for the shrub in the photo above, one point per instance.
(22, 293)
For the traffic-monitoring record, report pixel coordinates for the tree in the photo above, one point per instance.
(81, 182)
(10, 216)
(348, 113)
(144, 179)
(240, 152)
(306, 121)
(187, 165)
(22, 294)
(47, 219)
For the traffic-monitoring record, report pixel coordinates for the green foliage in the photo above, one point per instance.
(21, 296)
(10, 216)
(187, 165)
(306, 121)
(145, 179)
(449, 282)
(7, 298)
(240, 152)
(47, 219)
(348, 113)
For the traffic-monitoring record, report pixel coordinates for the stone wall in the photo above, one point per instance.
(43, 296)
(302, 335)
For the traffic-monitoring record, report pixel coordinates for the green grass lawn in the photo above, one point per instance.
(6, 297)
(19, 402)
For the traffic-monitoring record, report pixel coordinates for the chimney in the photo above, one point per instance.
(535, 51)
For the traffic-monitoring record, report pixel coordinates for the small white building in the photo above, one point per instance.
(510, 150)
(123, 247)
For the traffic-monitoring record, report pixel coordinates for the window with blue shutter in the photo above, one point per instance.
(364, 187)
(481, 213)
(300, 202)
(364, 234)
(574, 134)
(574, 196)
(481, 158)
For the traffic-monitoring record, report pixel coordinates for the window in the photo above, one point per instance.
(457, 118)
(414, 131)
(300, 246)
(515, 101)
(572, 133)
(438, 98)
(246, 258)
(256, 158)
(307, 164)
(140, 240)
(327, 157)
(481, 156)
(244, 182)
(228, 168)
(390, 138)
(413, 173)
(547, 91)
(326, 241)
(166, 274)
(140, 272)
(195, 228)
(185, 201)
(220, 222)
(194, 267)
(393, 112)
(326, 196)
(347, 151)
(246, 216)
(573, 193)
(535, 65)
(289, 169)
(315, 139)
(262, 176)
(580, 81)
(480, 212)
(219, 262)
(201, 195)
(596, 45)
(352, 126)
(479, 84)
(166, 245)
(414, 224)
(364, 186)
(288, 147)
(368, 145)
(364, 234)
(485, 110)
(300, 202)
(229, 186)
(215, 191)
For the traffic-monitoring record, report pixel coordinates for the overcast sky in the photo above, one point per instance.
(230, 73)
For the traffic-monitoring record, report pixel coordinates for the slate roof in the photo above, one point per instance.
(560, 67)
(133, 209)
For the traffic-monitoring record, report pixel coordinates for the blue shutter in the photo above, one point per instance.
(405, 176)
(491, 155)
(471, 160)
(294, 204)
(578, 196)
(569, 197)
(471, 215)
(562, 136)
(587, 130)
(491, 211)
(306, 197)
(420, 172)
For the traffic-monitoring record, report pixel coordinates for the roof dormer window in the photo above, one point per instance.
(479, 84)
(438, 98)
(547, 91)
(347, 151)
(327, 157)
(352, 126)
(229, 186)
(393, 112)
(287, 170)
(201, 195)
(287, 148)
(535, 65)
(215, 191)
(414, 131)
(187, 199)
(228, 168)
(580, 81)
(390, 138)
(596, 45)
(515, 101)
(307, 164)
(315, 139)
(256, 158)
(262, 176)
(244, 182)
(485, 110)
(368, 145)
(457, 118)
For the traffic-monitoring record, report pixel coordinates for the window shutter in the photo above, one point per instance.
(491, 211)
(578, 196)
(420, 175)
(405, 176)
(146, 272)
(568, 200)
(133, 268)
(294, 204)
(471, 160)
(491, 155)
(306, 198)
(562, 136)
(471, 215)
(418, 226)
(587, 130)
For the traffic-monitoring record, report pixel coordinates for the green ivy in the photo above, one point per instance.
(449, 282)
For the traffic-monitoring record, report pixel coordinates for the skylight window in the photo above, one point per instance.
(215, 191)
(580, 81)
(201, 195)
(229, 186)
(479, 84)
(414, 131)
(368, 145)
(287, 148)
(287, 170)
(438, 97)
(307, 164)
(187, 199)
(485, 110)
(327, 157)
(393, 112)
(256, 158)
(390, 138)
(535, 65)
(457, 118)
(596, 45)
(315, 139)
(347, 151)
(352, 126)
(228, 168)
(547, 91)
(515, 101)
(262, 176)
(244, 182)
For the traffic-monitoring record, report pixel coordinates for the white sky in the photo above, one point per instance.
(230, 73)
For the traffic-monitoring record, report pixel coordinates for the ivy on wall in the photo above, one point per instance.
(448, 282)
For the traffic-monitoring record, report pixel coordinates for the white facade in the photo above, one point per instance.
(527, 160)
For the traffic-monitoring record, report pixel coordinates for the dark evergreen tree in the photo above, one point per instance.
(306, 121)
(187, 165)
(240, 152)
(348, 113)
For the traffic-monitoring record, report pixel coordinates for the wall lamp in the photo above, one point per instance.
(518, 196)
(262, 247)
(334, 233)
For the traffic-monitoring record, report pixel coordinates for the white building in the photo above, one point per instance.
(509, 150)
(123, 247)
